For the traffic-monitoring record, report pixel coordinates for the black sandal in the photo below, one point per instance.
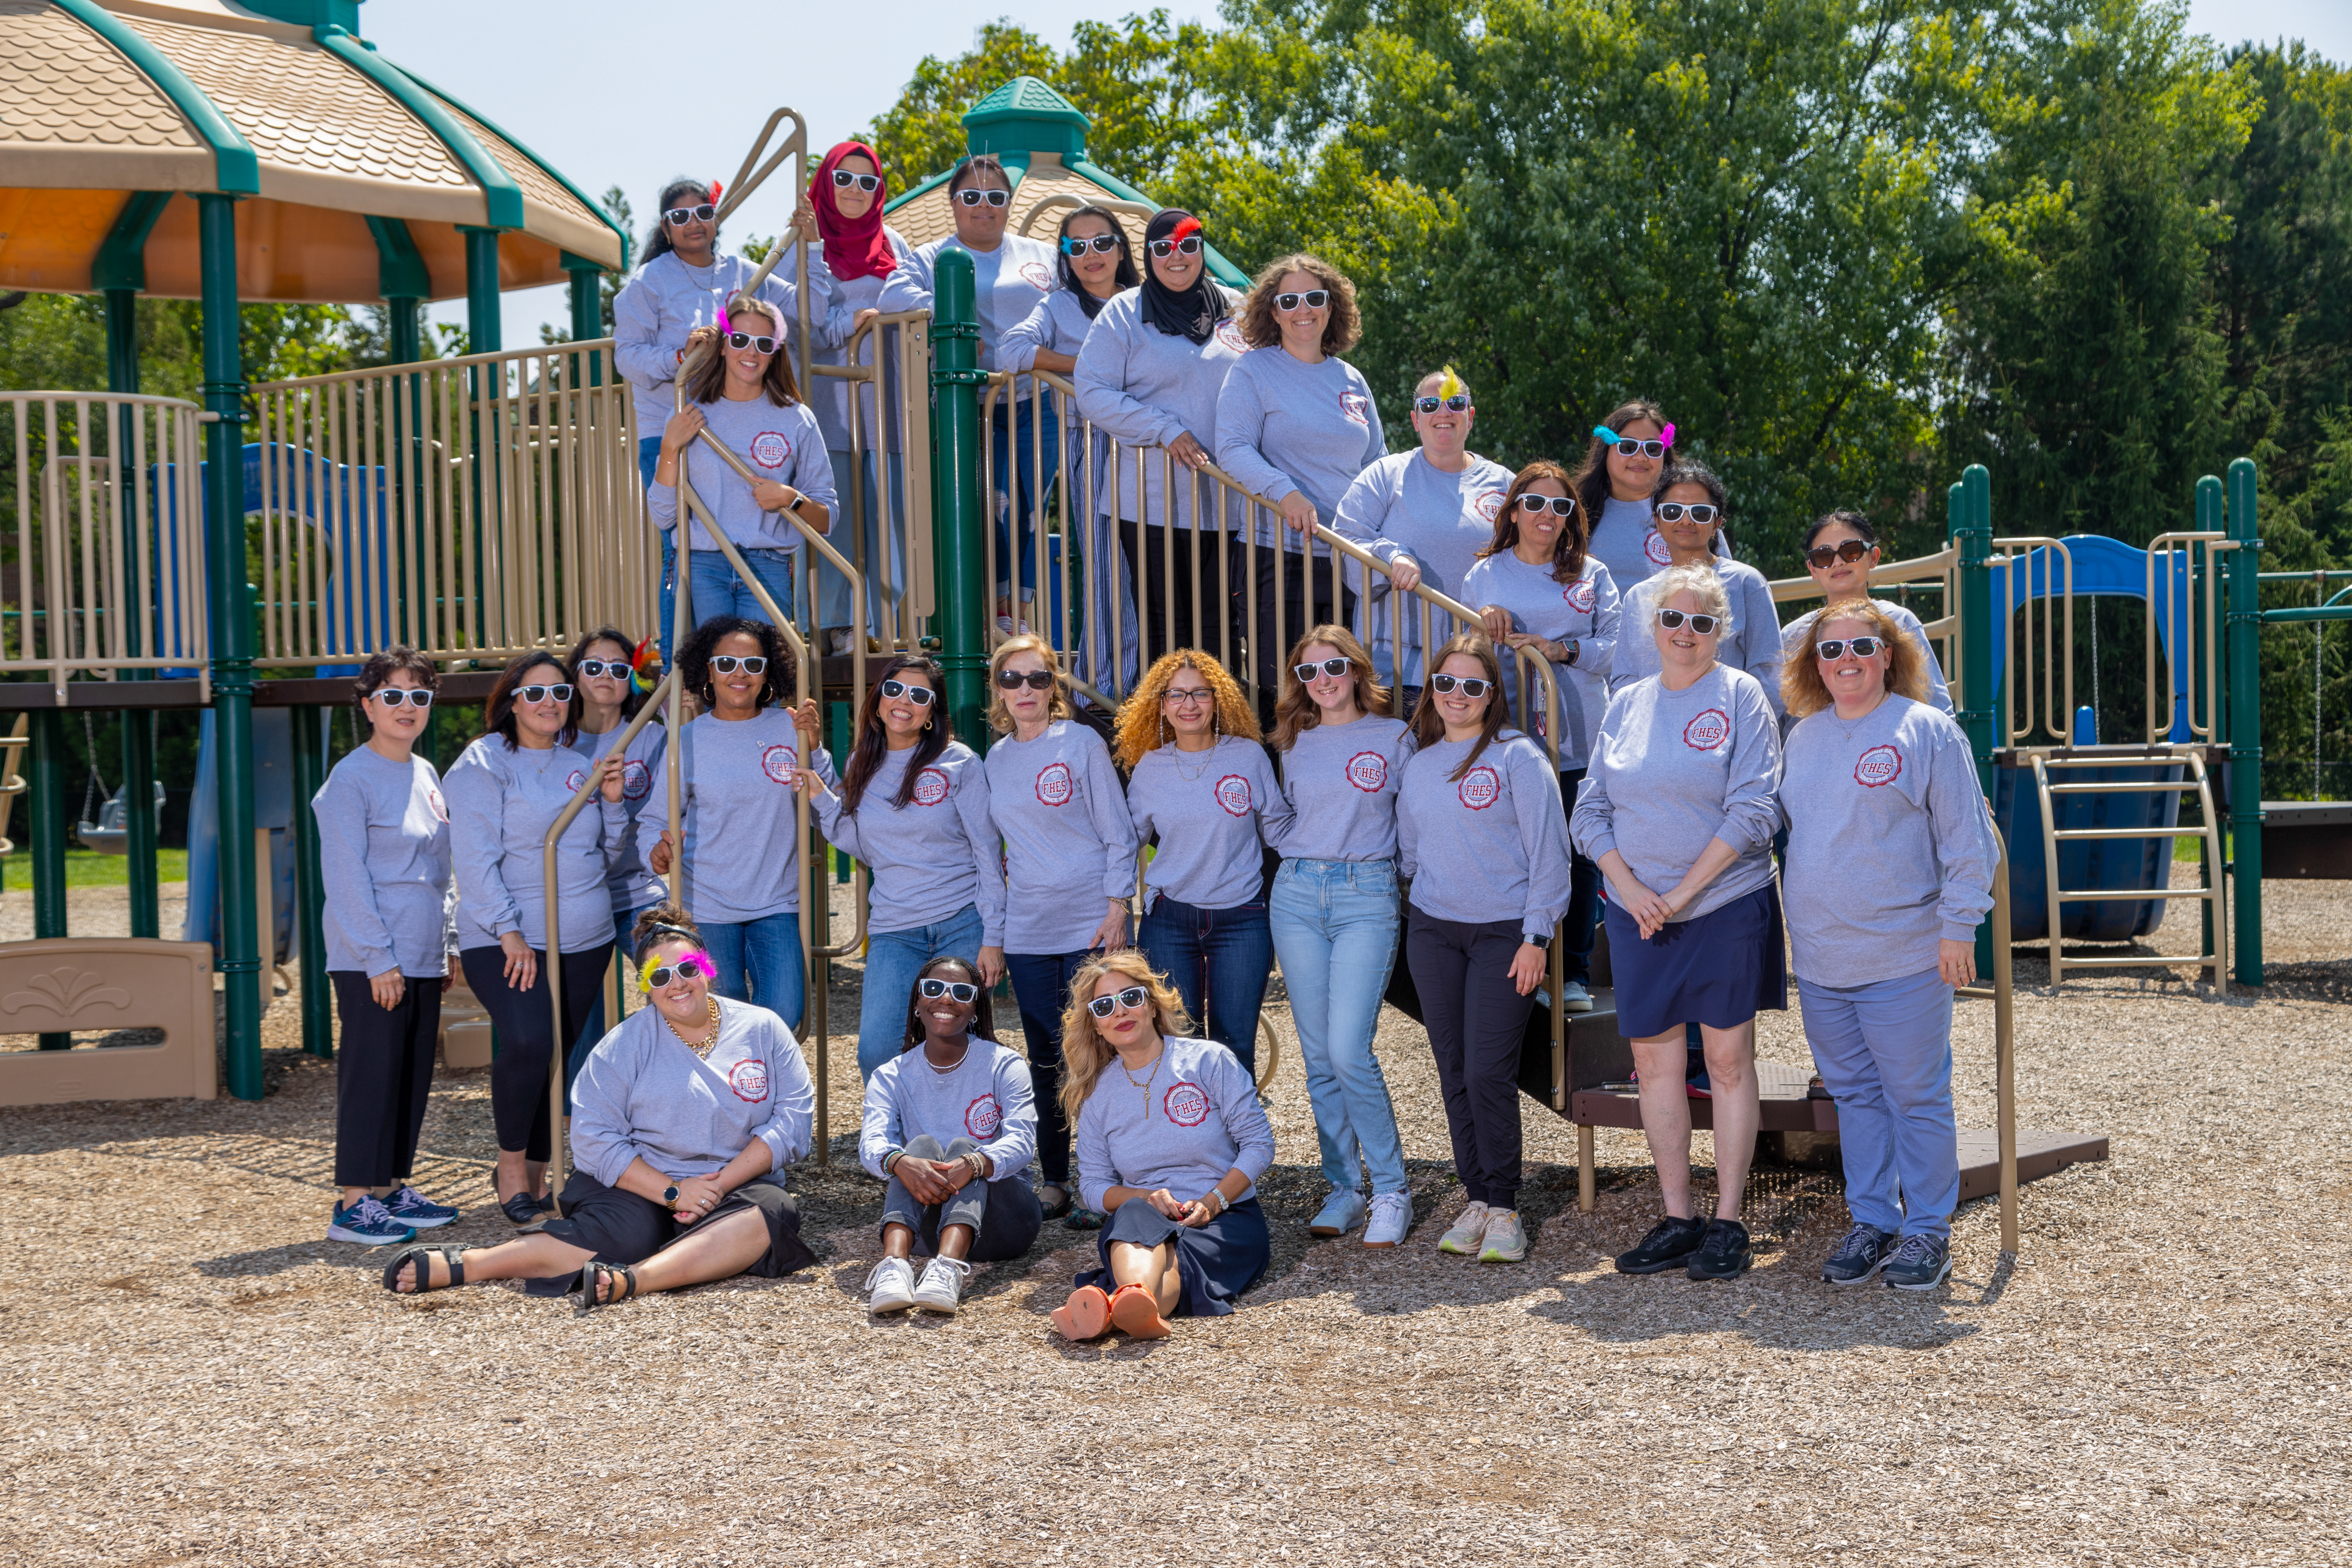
(1061, 1206)
(452, 1254)
(594, 1275)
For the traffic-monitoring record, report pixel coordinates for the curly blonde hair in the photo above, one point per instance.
(1085, 1053)
(1143, 720)
(1802, 686)
(1340, 332)
(1000, 717)
(1295, 713)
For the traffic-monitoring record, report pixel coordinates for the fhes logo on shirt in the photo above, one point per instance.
(1054, 785)
(749, 1079)
(572, 781)
(1481, 787)
(1185, 1104)
(771, 448)
(1356, 408)
(1655, 549)
(1040, 276)
(1229, 332)
(1708, 731)
(777, 762)
(439, 807)
(1368, 771)
(1488, 506)
(1234, 794)
(930, 787)
(1580, 596)
(1877, 767)
(637, 781)
(983, 1116)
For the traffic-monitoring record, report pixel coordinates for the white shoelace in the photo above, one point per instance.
(370, 1210)
(875, 1274)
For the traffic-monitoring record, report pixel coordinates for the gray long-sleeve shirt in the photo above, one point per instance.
(383, 850)
(1069, 844)
(1753, 644)
(829, 339)
(1058, 324)
(1891, 847)
(1625, 537)
(1402, 504)
(1180, 1124)
(631, 881)
(1341, 782)
(1283, 424)
(501, 803)
(986, 1098)
(644, 1095)
(1940, 696)
(1671, 769)
(780, 444)
(1489, 846)
(1143, 388)
(742, 850)
(1006, 285)
(1208, 811)
(663, 301)
(934, 856)
(1582, 611)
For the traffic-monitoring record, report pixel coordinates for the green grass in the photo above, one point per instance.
(89, 869)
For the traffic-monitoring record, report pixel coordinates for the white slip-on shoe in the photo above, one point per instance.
(1342, 1212)
(1391, 1217)
(942, 1286)
(891, 1286)
(1468, 1232)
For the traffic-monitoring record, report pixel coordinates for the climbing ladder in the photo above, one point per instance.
(2159, 758)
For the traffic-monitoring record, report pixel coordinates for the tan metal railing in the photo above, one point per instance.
(102, 511)
(2048, 626)
(1927, 574)
(2178, 563)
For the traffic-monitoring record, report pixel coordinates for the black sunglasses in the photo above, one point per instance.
(1470, 685)
(1307, 673)
(728, 663)
(394, 696)
(1628, 447)
(843, 179)
(1314, 299)
(561, 692)
(974, 198)
(706, 212)
(1834, 648)
(766, 346)
(1822, 556)
(1700, 512)
(1079, 244)
(1189, 246)
(1536, 505)
(1459, 402)
(1035, 680)
(1132, 997)
(920, 696)
(962, 990)
(1703, 624)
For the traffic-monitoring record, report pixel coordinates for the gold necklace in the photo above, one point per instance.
(1143, 1090)
(701, 1048)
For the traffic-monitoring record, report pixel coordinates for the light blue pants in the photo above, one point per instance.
(1885, 1052)
(886, 574)
(760, 960)
(1334, 929)
(893, 960)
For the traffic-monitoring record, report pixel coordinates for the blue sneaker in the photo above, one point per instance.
(414, 1207)
(368, 1223)
(1917, 1263)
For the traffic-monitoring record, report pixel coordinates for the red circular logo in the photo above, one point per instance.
(777, 762)
(1234, 794)
(1580, 596)
(1878, 766)
(983, 1116)
(749, 1079)
(440, 808)
(1040, 276)
(637, 781)
(1654, 547)
(1489, 505)
(1708, 731)
(574, 780)
(1229, 332)
(1185, 1104)
(1054, 785)
(1481, 787)
(930, 787)
(771, 448)
(1356, 408)
(1368, 771)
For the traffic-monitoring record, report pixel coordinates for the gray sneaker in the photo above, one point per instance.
(1859, 1256)
(1918, 1263)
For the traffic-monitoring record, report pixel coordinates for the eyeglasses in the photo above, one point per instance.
(1458, 403)
(766, 346)
(920, 696)
(561, 692)
(689, 966)
(1831, 649)
(728, 663)
(394, 696)
(1314, 299)
(1703, 624)
(615, 668)
(1190, 697)
(1188, 246)
(1036, 679)
(1822, 556)
(1079, 244)
(961, 990)
(1536, 506)
(1700, 513)
(676, 215)
(974, 198)
(843, 179)
(1134, 996)
(1333, 667)
(1627, 447)
(1468, 685)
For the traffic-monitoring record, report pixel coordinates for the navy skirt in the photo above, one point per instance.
(1214, 1262)
(1720, 969)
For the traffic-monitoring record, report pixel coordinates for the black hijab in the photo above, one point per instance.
(1190, 314)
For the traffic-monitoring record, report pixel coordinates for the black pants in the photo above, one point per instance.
(1583, 896)
(1003, 1213)
(1269, 645)
(1200, 575)
(527, 1035)
(1475, 1019)
(384, 1071)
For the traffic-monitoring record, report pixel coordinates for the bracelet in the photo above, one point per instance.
(891, 1158)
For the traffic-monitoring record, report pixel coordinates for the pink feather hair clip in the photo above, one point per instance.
(1667, 436)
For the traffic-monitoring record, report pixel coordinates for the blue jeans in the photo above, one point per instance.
(765, 953)
(1335, 926)
(1218, 959)
(718, 590)
(1022, 472)
(1040, 987)
(893, 959)
(1886, 1054)
(623, 921)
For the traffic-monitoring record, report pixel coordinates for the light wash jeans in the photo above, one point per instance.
(1334, 929)
(1886, 1054)
(893, 960)
(886, 574)
(760, 960)
(718, 590)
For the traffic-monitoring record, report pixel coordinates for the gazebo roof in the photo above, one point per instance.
(357, 176)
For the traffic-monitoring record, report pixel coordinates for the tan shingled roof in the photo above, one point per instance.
(66, 93)
(565, 219)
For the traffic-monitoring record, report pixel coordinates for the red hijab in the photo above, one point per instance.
(854, 248)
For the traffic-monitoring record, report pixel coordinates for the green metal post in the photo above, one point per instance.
(587, 309)
(1970, 504)
(138, 727)
(46, 829)
(311, 883)
(482, 329)
(2245, 653)
(956, 379)
(402, 330)
(232, 638)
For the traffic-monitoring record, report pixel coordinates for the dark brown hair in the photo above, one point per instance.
(1429, 726)
(378, 672)
(631, 698)
(983, 1017)
(1340, 332)
(498, 718)
(706, 381)
(694, 659)
(973, 167)
(660, 923)
(872, 741)
(1567, 550)
(1590, 485)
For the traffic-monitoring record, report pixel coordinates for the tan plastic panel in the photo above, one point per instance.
(104, 984)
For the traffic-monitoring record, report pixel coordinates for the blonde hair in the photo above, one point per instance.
(1295, 713)
(1000, 717)
(1085, 1053)
(1699, 579)
(1802, 688)
(1142, 719)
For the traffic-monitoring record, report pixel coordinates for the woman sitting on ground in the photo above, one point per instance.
(1170, 1146)
(683, 1121)
(951, 1126)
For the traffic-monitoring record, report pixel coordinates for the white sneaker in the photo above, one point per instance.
(942, 1286)
(1574, 997)
(1342, 1212)
(1468, 1232)
(891, 1286)
(1391, 1217)
(1507, 1239)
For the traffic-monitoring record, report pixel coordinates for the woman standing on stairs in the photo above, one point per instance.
(602, 667)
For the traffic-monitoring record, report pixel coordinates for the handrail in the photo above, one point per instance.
(2002, 996)
(1071, 199)
(1910, 573)
(2057, 659)
(795, 147)
(2182, 546)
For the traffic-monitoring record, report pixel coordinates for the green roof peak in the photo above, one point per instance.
(1024, 115)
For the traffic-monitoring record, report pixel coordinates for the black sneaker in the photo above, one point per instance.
(1723, 1252)
(1670, 1241)
(1918, 1263)
(1859, 1256)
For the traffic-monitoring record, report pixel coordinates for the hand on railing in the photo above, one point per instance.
(608, 775)
(1298, 514)
(1188, 451)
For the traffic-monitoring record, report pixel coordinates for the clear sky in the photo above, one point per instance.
(633, 94)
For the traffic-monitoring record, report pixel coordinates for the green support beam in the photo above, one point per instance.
(1969, 510)
(311, 883)
(405, 282)
(956, 379)
(2245, 661)
(482, 328)
(46, 833)
(502, 197)
(587, 309)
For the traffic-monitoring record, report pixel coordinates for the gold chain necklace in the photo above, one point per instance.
(702, 1047)
(1143, 1090)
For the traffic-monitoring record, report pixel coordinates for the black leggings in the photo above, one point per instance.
(383, 1072)
(1476, 1019)
(526, 1036)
